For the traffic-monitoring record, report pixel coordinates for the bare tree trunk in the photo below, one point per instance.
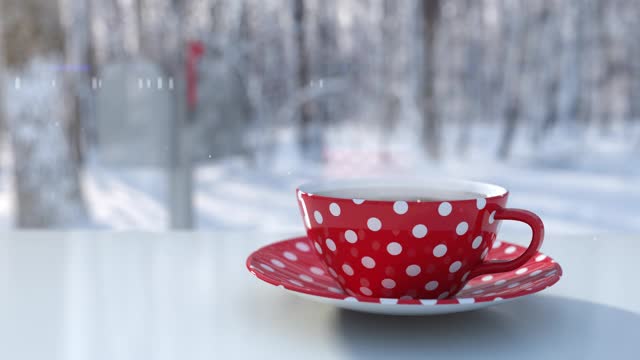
(3, 117)
(245, 36)
(77, 53)
(389, 98)
(327, 44)
(139, 8)
(431, 131)
(46, 177)
(511, 115)
(115, 43)
(549, 54)
(515, 62)
(603, 79)
(634, 88)
(303, 77)
(593, 64)
(570, 90)
(474, 54)
(551, 112)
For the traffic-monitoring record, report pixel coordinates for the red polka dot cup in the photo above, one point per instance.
(409, 239)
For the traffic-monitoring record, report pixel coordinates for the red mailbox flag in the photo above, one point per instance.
(195, 50)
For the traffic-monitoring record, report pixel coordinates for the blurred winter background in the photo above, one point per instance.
(206, 114)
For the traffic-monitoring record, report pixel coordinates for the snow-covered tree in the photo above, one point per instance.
(46, 177)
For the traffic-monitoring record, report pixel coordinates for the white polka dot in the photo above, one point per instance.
(394, 248)
(267, 267)
(541, 257)
(462, 228)
(497, 299)
(368, 262)
(500, 282)
(428, 302)
(302, 247)
(455, 266)
(510, 250)
(497, 244)
(400, 207)
(316, 270)
(317, 216)
(295, 282)
(388, 283)
(374, 224)
(419, 231)
(444, 209)
(347, 269)
(467, 286)
(330, 244)
(318, 248)
(277, 263)
(476, 242)
(480, 203)
(512, 285)
(350, 298)
(521, 271)
(351, 236)
(484, 253)
(439, 250)
(333, 272)
(491, 217)
(466, 275)
(431, 285)
(358, 201)
(406, 297)
(487, 278)
(466, 300)
(290, 256)
(535, 273)
(413, 270)
(444, 295)
(334, 209)
(480, 291)
(366, 291)
(335, 290)
(306, 278)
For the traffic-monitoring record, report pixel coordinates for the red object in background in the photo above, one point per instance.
(195, 50)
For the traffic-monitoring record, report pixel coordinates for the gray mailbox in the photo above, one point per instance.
(223, 111)
(134, 111)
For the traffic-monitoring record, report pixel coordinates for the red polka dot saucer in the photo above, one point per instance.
(292, 265)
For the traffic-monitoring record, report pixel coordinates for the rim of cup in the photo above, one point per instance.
(411, 186)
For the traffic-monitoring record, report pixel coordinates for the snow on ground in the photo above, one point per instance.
(575, 188)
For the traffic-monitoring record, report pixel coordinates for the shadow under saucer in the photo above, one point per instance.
(536, 327)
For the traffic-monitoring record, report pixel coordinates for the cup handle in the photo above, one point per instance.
(537, 229)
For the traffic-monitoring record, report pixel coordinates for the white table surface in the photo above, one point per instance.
(93, 296)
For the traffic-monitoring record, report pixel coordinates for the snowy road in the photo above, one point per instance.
(233, 196)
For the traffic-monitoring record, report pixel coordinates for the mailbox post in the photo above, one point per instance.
(141, 120)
